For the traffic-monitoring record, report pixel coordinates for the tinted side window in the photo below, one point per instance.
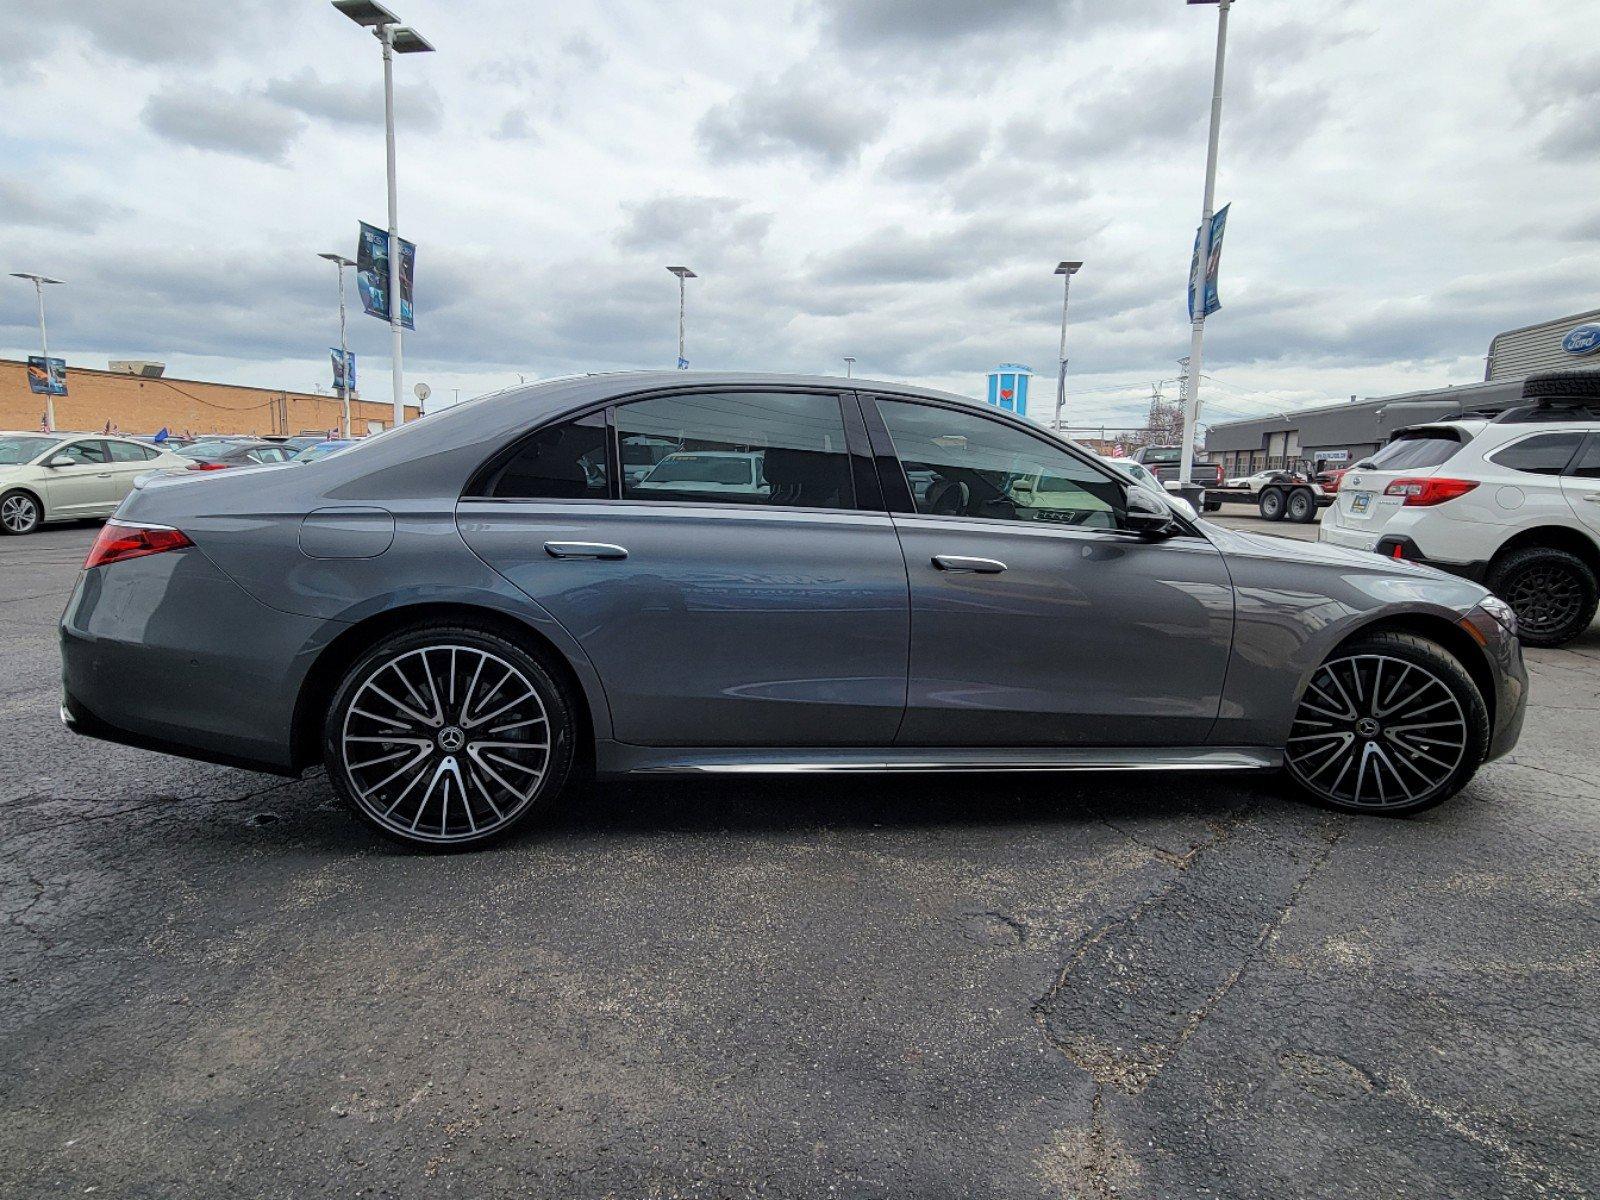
(736, 448)
(966, 465)
(561, 462)
(86, 453)
(1546, 454)
(1411, 451)
(127, 452)
(1588, 464)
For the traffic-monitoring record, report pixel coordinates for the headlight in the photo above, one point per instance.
(1501, 612)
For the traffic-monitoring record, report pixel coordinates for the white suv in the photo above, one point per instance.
(1512, 502)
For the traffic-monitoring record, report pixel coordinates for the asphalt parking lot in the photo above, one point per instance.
(217, 983)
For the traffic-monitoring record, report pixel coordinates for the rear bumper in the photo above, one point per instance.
(1402, 547)
(167, 653)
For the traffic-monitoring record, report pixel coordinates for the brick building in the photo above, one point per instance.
(142, 404)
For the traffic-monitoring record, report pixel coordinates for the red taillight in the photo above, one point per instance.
(117, 542)
(1421, 493)
(207, 467)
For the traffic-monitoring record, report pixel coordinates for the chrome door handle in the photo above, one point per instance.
(584, 550)
(978, 566)
(1593, 497)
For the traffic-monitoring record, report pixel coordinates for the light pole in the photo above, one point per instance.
(849, 366)
(344, 353)
(682, 273)
(1066, 270)
(44, 342)
(396, 39)
(1191, 405)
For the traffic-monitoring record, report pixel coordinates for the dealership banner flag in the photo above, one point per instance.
(341, 364)
(372, 274)
(47, 376)
(1204, 288)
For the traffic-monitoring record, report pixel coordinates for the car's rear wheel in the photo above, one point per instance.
(1271, 504)
(1302, 509)
(19, 513)
(1391, 724)
(448, 736)
(1553, 592)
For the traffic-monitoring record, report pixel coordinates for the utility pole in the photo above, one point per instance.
(1191, 406)
(849, 367)
(1066, 270)
(38, 282)
(682, 273)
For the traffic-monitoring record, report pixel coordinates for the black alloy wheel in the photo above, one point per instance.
(1553, 592)
(1390, 724)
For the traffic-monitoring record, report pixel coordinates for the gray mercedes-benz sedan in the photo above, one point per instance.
(676, 572)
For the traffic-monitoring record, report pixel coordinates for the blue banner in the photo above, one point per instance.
(47, 376)
(372, 274)
(340, 366)
(1205, 289)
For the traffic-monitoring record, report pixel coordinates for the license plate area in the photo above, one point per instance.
(1361, 504)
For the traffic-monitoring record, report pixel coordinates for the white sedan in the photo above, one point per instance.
(1251, 483)
(67, 477)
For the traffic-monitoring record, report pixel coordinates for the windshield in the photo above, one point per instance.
(700, 468)
(14, 451)
(1416, 449)
(320, 450)
(206, 449)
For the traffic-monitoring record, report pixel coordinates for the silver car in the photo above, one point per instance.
(457, 616)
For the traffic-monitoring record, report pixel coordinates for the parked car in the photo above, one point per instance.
(67, 477)
(1252, 483)
(708, 473)
(322, 449)
(456, 617)
(297, 442)
(217, 453)
(1513, 502)
(1164, 462)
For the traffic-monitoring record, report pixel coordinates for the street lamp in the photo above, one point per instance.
(396, 39)
(1191, 406)
(682, 273)
(1066, 270)
(849, 366)
(44, 342)
(342, 262)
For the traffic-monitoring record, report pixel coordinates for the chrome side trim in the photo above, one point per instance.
(634, 760)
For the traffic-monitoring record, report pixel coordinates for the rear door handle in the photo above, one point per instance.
(978, 566)
(584, 550)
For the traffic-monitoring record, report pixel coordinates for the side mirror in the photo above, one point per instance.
(1183, 506)
(1147, 515)
(60, 460)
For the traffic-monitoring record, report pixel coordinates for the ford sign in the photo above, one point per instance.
(1585, 339)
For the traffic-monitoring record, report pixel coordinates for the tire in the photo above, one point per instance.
(1389, 725)
(1561, 385)
(437, 689)
(1553, 592)
(1301, 507)
(1271, 504)
(20, 513)
(1212, 506)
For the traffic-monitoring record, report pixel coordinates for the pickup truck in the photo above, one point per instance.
(1163, 463)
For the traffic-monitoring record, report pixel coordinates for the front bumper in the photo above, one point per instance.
(1509, 700)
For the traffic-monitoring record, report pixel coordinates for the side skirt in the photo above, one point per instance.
(616, 759)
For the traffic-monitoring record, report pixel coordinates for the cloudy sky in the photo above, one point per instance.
(889, 179)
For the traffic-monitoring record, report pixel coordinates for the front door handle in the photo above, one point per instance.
(584, 550)
(978, 566)
(1593, 498)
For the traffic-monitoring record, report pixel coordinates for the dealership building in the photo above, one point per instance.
(1348, 432)
(138, 397)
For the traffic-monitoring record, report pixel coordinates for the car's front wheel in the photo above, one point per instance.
(447, 736)
(1553, 593)
(1390, 724)
(19, 513)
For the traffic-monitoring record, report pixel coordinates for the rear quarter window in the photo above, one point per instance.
(1417, 450)
(1542, 454)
